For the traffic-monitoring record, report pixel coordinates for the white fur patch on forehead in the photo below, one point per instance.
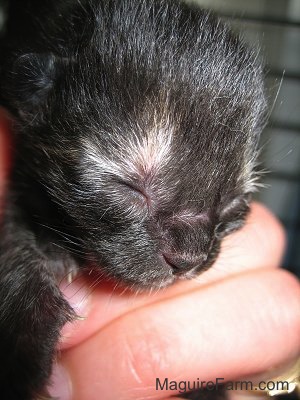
(152, 152)
(140, 157)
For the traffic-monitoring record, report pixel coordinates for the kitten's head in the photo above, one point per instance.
(145, 137)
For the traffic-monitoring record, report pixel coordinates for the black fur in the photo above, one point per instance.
(136, 130)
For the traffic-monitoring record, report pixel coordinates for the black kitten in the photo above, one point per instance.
(136, 130)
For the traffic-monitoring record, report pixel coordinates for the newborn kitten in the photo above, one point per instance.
(136, 128)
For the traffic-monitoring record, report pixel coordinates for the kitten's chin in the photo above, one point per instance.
(139, 283)
(147, 285)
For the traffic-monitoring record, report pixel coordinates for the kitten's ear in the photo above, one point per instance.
(30, 82)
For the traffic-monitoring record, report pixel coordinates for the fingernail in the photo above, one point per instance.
(77, 296)
(60, 386)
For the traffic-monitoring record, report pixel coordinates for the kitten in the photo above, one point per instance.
(136, 129)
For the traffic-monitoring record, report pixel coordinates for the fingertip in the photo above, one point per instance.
(259, 244)
(275, 230)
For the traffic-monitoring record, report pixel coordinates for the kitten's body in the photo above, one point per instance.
(136, 128)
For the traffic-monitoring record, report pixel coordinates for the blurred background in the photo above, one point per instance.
(273, 26)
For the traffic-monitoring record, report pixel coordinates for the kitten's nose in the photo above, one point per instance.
(181, 264)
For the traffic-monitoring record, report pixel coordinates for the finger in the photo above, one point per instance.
(260, 244)
(239, 327)
(246, 249)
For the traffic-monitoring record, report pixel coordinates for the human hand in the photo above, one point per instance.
(239, 318)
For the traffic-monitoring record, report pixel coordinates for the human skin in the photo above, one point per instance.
(236, 320)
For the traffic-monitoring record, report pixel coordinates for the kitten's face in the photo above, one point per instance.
(151, 200)
(147, 144)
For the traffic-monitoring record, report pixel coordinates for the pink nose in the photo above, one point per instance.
(181, 263)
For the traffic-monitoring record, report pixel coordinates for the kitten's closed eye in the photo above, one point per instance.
(138, 193)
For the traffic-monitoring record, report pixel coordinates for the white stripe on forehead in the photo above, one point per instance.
(138, 157)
